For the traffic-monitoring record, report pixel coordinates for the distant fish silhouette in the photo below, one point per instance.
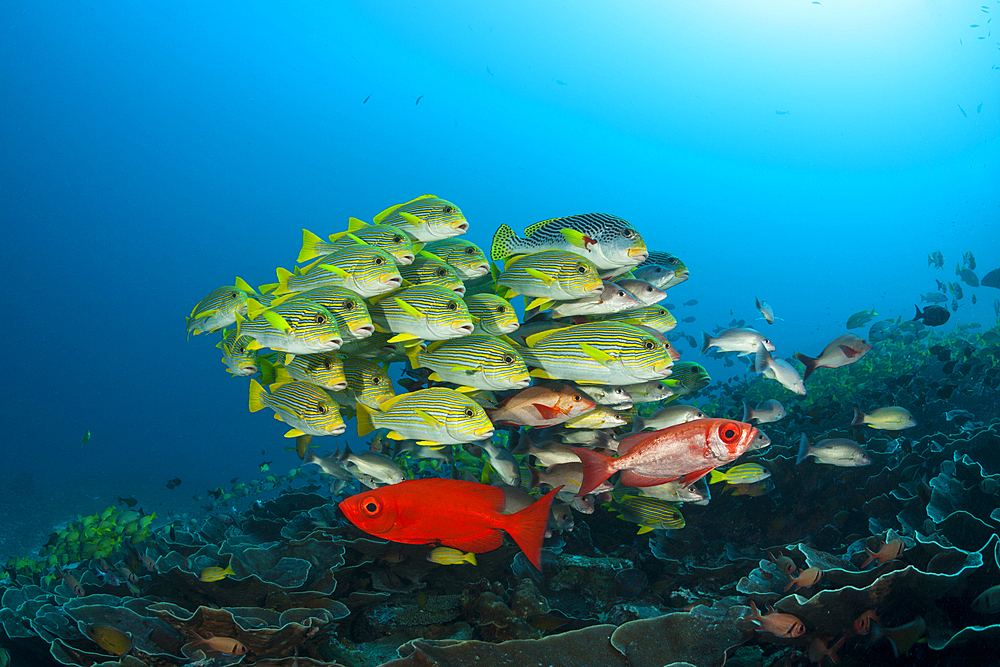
(422, 97)
(367, 98)
(817, 3)
(979, 108)
(962, 110)
(489, 71)
(561, 83)
(782, 113)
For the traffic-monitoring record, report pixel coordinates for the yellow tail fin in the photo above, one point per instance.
(309, 243)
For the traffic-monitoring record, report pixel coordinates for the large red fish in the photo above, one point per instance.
(686, 452)
(451, 512)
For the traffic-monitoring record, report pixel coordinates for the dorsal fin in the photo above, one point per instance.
(528, 231)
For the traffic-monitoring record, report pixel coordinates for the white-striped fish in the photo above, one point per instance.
(307, 409)
(492, 314)
(299, 327)
(613, 397)
(347, 308)
(551, 275)
(481, 362)
(385, 237)
(238, 359)
(646, 293)
(597, 352)
(218, 309)
(426, 269)
(324, 369)
(610, 243)
(450, 556)
(427, 312)
(363, 269)
(426, 218)
(465, 257)
(429, 416)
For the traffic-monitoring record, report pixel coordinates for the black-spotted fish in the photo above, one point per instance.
(427, 312)
(468, 259)
(597, 352)
(608, 242)
(348, 309)
(239, 360)
(385, 237)
(426, 218)
(218, 310)
(298, 327)
(550, 276)
(428, 269)
(307, 409)
(492, 314)
(668, 262)
(480, 362)
(429, 416)
(363, 269)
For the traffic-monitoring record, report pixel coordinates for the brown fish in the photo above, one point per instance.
(779, 625)
(843, 351)
(805, 578)
(541, 406)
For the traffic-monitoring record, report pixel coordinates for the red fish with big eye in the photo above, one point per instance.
(449, 512)
(687, 452)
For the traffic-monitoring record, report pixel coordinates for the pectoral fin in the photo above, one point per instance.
(544, 277)
(428, 418)
(336, 270)
(577, 238)
(541, 303)
(277, 321)
(410, 310)
(600, 356)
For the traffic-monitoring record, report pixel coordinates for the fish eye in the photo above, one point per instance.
(396, 238)
(469, 412)
(470, 251)
(321, 408)
(729, 433)
(320, 319)
(649, 345)
(379, 261)
(501, 309)
(371, 506)
(507, 359)
(348, 304)
(441, 273)
(577, 397)
(376, 380)
(581, 269)
(621, 292)
(452, 305)
(326, 364)
(234, 294)
(628, 233)
(448, 209)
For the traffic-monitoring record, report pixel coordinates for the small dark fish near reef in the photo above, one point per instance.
(933, 316)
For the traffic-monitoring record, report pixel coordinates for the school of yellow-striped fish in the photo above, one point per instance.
(404, 297)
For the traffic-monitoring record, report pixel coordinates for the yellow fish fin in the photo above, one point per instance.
(379, 328)
(411, 354)
(353, 224)
(256, 396)
(576, 238)
(348, 235)
(544, 277)
(283, 276)
(471, 557)
(644, 529)
(244, 286)
(365, 424)
(465, 390)
(715, 477)
(254, 345)
(531, 229)
(309, 243)
(204, 313)
(535, 337)
(435, 345)
(430, 255)
(540, 303)
(293, 433)
(416, 247)
(410, 310)
(434, 377)
(392, 435)
(277, 321)
(277, 416)
(468, 370)
(281, 375)
(335, 270)
(544, 375)
(412, 219)
(389, 402)
(385, 214)
(432, 444)
(254, 308)
(600, 356)
(403, 337)
(428, 418)
(289, 358)
(267, 288)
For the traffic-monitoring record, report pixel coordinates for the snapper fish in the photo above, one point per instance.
(672, 415)
(766, 412)
(492, 314)
(654, 274)
(742, 340)
(765, 310)
(427, 312)
(385, 237)
(452, 513)
(549, 276)
(363, 269)
(598, 353)
(607, 241)
(613, 299)
(435, 416)
(426, 218)
(218, 310)
(540, 406)
(842, 351)
(839, 452)
(348, 309)
(371, 466)
(778, 369)
(478, 362)
(666, 261)
(614, 397)
(893, 418)
(307, 409)
(428, 269)
(644, 292)
(465, 257)
(236, 355)
(298, 327)
(861, 318)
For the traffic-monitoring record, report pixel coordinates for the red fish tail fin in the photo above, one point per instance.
(596, 469)
(808, 362)
(791, 581)
(527, 527)
(871, 556)
(859, 417)
(754, 614)
(832, 651)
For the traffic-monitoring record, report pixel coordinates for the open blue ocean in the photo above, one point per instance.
(833, 163)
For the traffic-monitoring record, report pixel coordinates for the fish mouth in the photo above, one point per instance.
(340, 386)
(249, 369)
(363, 331)
(638, 254)
(460, 289)
(461, 227)
(396, 281)
(467, 328)
(479, 271)
(405, 260)
(336, 342)
(338, 430)
(596, 291)
(522, 382)
(663, 365)
(485, 432)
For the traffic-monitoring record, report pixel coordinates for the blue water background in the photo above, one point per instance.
(152, 152)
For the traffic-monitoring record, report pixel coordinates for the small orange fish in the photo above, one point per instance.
(783, 563)
(778, 624)
(805, 578)
(71, 582)
(889, 551)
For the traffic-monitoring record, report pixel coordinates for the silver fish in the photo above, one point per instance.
(668, 416)
(778, 369)
(839, 452)
(742, 340)
(612, 299)
(765, 412)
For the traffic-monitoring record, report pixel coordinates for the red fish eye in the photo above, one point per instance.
(379, 261)
(448, 209)
(371, 506)
(396, 238)
(729, 433)
(441, 273)
(320, 319)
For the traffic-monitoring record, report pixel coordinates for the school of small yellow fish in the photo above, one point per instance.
(525, 404)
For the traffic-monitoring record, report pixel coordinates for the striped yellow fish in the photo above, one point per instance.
(468, 259)
(239, 360)
(744, 473)
(686, 378)
(307, 409)
(218, 310)
(363, 269)
(368, 381)
(385, 237)
(377, 346)
(650, 513)
(549, 276)
(298, 327)
(597, 352)
(492, 314)
(600, 417)
(480, 362)
(429, 416)
(428, 312)
(426, 269)
(349, 310)
(449, 556)
(426, 218)
(324, 369)
(654, 317)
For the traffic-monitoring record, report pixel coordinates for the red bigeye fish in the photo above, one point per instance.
(844, 350)
(780, 625)
(686, 452)
(449, 512)
(889, 551)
